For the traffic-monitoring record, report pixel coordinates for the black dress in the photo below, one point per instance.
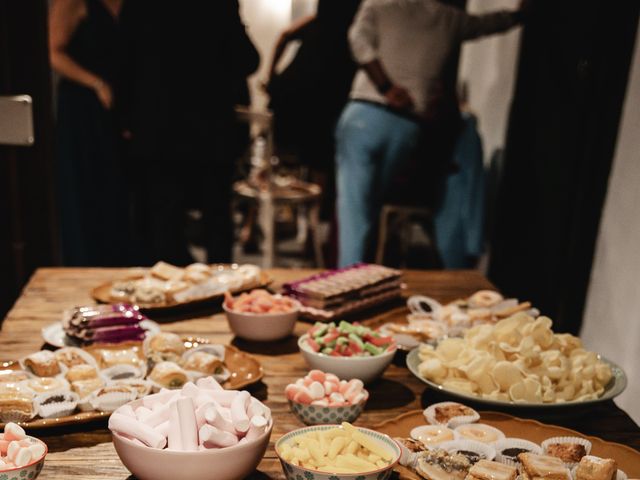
(92, 194)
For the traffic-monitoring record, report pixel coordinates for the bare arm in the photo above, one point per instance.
(474, 26)
(64, 18)
(294, 32)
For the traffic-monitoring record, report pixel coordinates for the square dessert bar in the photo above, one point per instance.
(488, 470)
(542, 467)
(595, 468)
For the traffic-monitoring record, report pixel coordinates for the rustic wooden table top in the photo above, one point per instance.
(86, 452)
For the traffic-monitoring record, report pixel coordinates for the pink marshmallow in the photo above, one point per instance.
(4, 444)
(356, 384)
(13, 431)
(316, 390)
(336, 397)
(291, 390)
(136, 429)
(329, 387)
(200, 412)
(307, 381)
(126, 410)
(300, 382)
(317, 376)
(338, 404)
(343, 387)
(37, 450)
(24, 443)
(214, 417)
(13, 449)
(189, 389)
(210, 435)
(163, 428)
(303, 396)
(256, 407)
(330, 377)
(163, 397)
(256, 428)
(321, 403)
(208, 383)
(156, 417)
(142, 413)
(23, 457)
(223, 397)
(183, 431)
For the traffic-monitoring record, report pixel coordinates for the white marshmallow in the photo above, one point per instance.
(23, 457)
(316, 390)
(136, 429)
(239, 415)
(210, 435)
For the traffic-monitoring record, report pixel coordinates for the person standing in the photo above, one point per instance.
(184, 65)
(402, 47)
(92, 193)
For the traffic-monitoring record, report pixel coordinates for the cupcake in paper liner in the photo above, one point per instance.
(474, 451)
(142, 387)
(123, 372)
(450, 414)
(109, 398)
(56, 404)
(16, 403)
(568, 449)
(507, 450)
(620, 475)
(408, 451)
(433, 435)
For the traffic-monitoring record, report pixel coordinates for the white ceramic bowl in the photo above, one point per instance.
(262, 327)
(294, 472)
(230, 463)
(29, 471)
(366, 369)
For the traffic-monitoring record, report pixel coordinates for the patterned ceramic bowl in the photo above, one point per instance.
(294, 472)
(316, 415)
(29, 471)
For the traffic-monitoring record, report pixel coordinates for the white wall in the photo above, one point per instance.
(488, 66)
(612, 320)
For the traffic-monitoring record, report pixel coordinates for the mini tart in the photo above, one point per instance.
(568, 449)
(451, 414)
(434, 464)
(432, 435)
(56, 404)
(16, 404)
(508, 450)
(72, 356)
(480, 433)
(81, 372)
(474, 451)
(42, 364)
(39, 385)
(596, 468)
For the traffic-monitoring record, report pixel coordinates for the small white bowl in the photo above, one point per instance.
(262, 327)
(366, 369)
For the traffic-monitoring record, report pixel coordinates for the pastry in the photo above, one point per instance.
(168, 375)
(204, 362)
(480, 433)
(85, 387)
(13, 376)
(440, 465)
(70, 357)
(124, 356)
(81, 372)
(535, 467)
(112, 324)
(16, 402)
(165, 346)
(432, 434)
(45, 384)
(445, 413)
(412, 445)
(166, 271)
(487, 470)
(43, 363)
(567, 452)
(595, 468)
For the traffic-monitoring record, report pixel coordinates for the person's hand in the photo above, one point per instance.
(399, 98)
(104, 93)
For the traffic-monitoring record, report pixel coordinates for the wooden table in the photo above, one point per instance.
(86, 452)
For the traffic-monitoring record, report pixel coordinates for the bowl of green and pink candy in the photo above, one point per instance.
(348, 350)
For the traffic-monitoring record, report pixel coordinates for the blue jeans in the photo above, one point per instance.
(371, 143)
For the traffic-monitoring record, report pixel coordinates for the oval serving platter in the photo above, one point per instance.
(614, 388)
(245, 370)
(628, 459)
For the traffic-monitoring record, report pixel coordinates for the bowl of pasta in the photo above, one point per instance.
(518, 362)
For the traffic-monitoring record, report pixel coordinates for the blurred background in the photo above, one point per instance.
(232, 107)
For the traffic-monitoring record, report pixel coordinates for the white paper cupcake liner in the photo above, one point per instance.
(486, 450)
(620, 475)
(123, 372)
(514, 443)
(67, 405)
(16, 416)
(430, 415)
(407, 457)
(480, 426)
(108, 402)
(571, 440)
(416, 434)
(84, 404)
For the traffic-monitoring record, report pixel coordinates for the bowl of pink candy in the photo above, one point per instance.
(322, 398)
(21, 456)
(200, 431)
(260, 316)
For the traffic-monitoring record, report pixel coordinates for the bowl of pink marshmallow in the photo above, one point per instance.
(21, 456)
(322, 398)
(200, 431)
